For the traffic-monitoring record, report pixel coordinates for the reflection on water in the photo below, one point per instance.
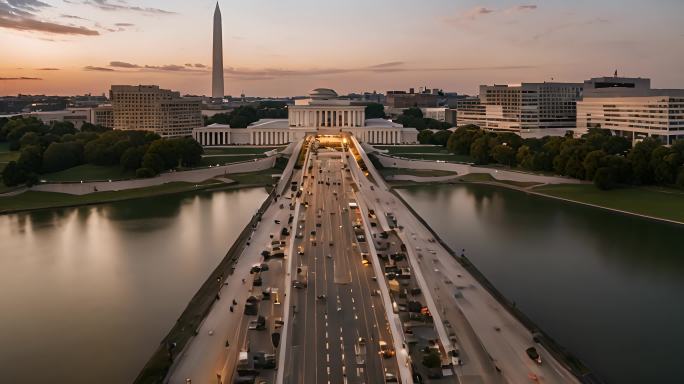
(607, 286)
(88, 293)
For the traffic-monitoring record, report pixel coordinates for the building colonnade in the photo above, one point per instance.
(331, 118)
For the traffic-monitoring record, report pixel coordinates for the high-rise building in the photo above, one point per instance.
(527, 108)
(629, 107)
(148, 108)
(217, 63)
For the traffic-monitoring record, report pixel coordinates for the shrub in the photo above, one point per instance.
(144, 173)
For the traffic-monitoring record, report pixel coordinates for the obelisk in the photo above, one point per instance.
(217, 64)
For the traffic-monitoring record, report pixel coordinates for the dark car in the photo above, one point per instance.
(533, 354)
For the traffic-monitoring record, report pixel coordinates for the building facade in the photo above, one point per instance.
(322, 113)
(149, 108)
(403, 99)
(527, 108)
(104, 116)
(630, 108)
(76, 116)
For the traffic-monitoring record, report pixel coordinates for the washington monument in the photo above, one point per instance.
(217, 64)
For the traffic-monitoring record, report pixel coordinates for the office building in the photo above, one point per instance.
(529, 109)
(103, 115)
(149, 108)
(629, 107)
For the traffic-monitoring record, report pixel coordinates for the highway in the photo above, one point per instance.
(338, 318)
(488, 335)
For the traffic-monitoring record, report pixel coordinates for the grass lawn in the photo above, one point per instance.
(6, 155)
(239, 150)
(416, 172)
(89, 172)
(207, 161)
(260, 178)
(438, 156)
(36, 200)
(658, 202)
(480, 177)
(396, 149)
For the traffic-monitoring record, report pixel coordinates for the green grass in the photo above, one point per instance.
(38, 200)
(486, 177)
(416, 172)
(257, 178)
(438, 156)
(89, 172)
(397, 149)
(657, 202)
(207, 161)
(239, 150)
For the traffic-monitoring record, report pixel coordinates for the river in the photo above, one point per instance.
(608, 287)
(87, 294)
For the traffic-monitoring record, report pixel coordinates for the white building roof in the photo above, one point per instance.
(270, 124)
(381, 123)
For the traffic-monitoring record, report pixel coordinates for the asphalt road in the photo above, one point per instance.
(339, 304)
(488, 334)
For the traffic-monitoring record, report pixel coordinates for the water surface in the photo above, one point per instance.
(608, 287)
(87, 294)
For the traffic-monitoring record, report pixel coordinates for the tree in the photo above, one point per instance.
(680, 178)
(13, 174)
(462, 139)
(413, 112)
(525, 157)
(592, 162)
(425, 136)
(144, 173)
(60, 156)
(167, 150)
(480, 150)
(605, 178)
(29, 138)
(132, 158)
(640, 157)
(243, 116)
(189, 151)
(88, 127)
(617, 145)
(60, 128)
(375, 111)
(440, 138)
(665, 163)
(154, 162)
(504, 154)
(31, 159)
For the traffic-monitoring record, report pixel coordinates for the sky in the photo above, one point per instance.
(287, 47)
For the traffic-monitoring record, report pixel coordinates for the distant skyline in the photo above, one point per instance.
(283, 48)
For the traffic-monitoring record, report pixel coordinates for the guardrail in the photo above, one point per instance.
(562, 355)
(174, 343)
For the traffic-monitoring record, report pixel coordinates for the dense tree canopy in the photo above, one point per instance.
(45, 149)
(375, 111)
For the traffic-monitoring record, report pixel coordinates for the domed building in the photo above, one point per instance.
(323, 112)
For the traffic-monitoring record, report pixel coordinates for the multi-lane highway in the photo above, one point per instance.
(338, 320)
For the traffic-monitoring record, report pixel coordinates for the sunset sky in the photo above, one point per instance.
(286, 47)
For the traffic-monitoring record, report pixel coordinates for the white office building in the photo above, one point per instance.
(630, 108)
(322, 113)
(528, 109)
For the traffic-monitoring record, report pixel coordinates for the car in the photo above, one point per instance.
(331, 243)
(277, 221)
(264, 267)
(533, 354)
(298, 284)
(254, 269)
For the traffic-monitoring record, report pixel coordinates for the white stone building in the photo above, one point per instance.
(630, 108)
(322, 113)
(527, 109)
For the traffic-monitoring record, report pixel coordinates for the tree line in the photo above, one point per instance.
(243, 116)
(608, 161)
(59, 146)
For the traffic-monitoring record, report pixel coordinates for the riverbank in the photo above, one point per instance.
(662, 204)
(38, 200)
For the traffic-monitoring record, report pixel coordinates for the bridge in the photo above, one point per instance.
(340, 282)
